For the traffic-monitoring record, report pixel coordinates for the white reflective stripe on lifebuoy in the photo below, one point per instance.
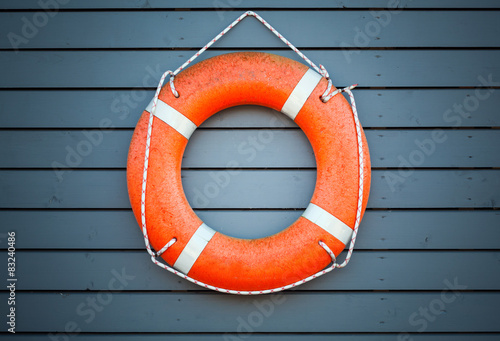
(150, 106)
(173, 118)
(193, 248)
(301, 93)
(328, 222)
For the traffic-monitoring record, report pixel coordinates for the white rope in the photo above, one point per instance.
(146, 163)
(242, 292)
(327, 249)
(321, 69)
(361, 172)
(326, 96)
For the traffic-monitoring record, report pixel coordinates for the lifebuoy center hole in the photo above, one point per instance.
(248, 172)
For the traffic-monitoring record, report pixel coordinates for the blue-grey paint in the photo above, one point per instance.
(427, 260)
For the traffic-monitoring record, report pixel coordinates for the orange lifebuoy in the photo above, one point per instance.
(241, 264)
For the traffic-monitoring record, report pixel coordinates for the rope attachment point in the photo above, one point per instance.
(165, 248)
(321, 69)
(326, 98)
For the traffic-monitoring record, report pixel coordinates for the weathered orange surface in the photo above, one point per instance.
(240, 264)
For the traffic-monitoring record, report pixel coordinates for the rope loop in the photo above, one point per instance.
(321, 69)
(329, 251)
(325, 74)
(325, 98)
(165, 248)
(160, 84)
(172, 86)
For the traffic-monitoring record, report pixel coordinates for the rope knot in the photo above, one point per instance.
(325, 98)
(165, 248)
(350, 87)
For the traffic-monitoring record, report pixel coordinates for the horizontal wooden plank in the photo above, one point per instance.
(369, 68)
(291, 189)
(441, 148)
(402, 229)
(376, 108)
(273, 148)
(266, 337)
(181, 29)
(368, 270)
(184, 312)
(245, 4)
(180, 315)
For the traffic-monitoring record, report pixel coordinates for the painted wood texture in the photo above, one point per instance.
(196, 313)
(381, 229)
(272, 189)
(264, 336)
(275, 148)
(239, 4)
(140, 68)
(428, 257)
(416, 108)
(180, 29)
(369, 270)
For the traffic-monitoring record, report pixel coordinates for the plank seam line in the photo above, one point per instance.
(258, 48)
(262, 9)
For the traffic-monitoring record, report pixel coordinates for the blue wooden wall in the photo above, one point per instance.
(427, 262)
